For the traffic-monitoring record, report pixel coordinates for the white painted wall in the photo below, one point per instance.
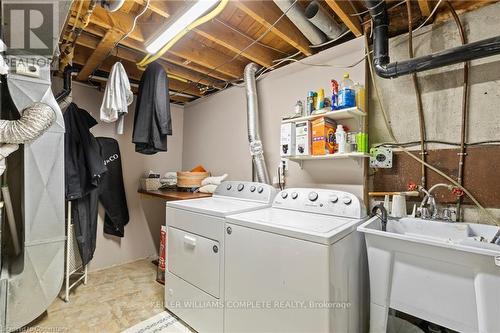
(146, 215)
(215, 130)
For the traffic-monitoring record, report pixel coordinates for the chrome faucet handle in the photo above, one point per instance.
(449, 215)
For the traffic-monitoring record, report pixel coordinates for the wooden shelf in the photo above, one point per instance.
(328, 157)
(174, 195)
(349, 113)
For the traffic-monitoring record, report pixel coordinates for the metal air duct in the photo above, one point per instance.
(256, 149)
(320, 17)
(296, 14)
(386, 69)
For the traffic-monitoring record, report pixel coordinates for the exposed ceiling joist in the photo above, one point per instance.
(266, 13)
(344, 10)
(236, 42)
(116, 20)
(425, 8)
(157, 6)
(102, 50)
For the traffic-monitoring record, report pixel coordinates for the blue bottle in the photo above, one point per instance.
(347, 95)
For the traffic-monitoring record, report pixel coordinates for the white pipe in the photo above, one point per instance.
(11, 220)
(256, 149)
(296, 14)
(320, 17)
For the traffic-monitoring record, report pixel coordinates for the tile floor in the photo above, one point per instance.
(113, 299)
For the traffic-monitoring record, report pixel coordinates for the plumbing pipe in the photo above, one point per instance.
(298, 17)
(66, 84)
(420, 110)
(151, 58)
(320, 17)
(35, 120)
(11, 220)
(381, 60)
(256, 149)
(465, 110)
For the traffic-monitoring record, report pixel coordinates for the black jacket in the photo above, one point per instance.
(152, 122)
(84, 165)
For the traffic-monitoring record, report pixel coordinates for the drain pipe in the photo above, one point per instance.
(296, 14)
(256, 149)
(381, 60)
(320, 17)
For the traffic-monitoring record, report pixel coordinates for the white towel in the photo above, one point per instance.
(117, 97)
(213, 180)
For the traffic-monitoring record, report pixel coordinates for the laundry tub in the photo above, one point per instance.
(435, 271)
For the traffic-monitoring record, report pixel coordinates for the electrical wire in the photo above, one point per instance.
(491, 218)
(430, 16)
(332, 40)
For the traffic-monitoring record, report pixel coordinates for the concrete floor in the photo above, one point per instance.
(113, 299)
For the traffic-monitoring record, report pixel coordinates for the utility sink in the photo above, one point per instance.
(446, 273)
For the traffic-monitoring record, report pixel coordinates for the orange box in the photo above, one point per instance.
(323, 136)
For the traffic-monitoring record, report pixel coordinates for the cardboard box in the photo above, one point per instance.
(323, 136)
(302, 138)
(287, 139)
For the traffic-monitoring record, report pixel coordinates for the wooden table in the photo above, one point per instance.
(174, 195)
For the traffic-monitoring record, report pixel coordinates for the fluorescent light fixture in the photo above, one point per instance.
(191, 15)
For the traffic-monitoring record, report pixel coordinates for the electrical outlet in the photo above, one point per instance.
(31, 70)
(381, 157)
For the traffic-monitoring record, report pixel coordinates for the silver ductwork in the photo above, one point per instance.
(35, 120)
(322, 19)
(30, 282)
(256, 149)
(296, 14)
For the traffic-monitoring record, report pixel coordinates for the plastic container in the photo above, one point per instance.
(320, 101)
(341, 139)
(359, 90)
(347, 95)
(335, 94)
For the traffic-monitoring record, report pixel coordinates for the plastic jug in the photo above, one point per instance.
(347, 95)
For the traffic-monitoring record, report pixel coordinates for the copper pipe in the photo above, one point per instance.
(465, 109)
(418, 95)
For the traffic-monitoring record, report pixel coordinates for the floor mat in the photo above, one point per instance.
(161, 323)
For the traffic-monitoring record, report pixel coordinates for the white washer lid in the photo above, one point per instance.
(319, 228)
(217, 206)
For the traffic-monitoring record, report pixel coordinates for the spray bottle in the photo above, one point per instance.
(335, 94)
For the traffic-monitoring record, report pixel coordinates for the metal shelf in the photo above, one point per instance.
(328, 157)
(349, 113)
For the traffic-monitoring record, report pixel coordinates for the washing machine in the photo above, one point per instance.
(194, 277)
(298, 266)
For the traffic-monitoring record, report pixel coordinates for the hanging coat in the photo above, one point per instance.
(152, 122)
(111, 190)
(84, 168)
(117, 97)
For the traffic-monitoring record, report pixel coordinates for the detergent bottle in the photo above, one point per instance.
(347, 95)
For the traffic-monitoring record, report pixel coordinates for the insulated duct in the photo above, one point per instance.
(256, 149)
(320, 17)
(112, 5)
(296, 14)
(385, 69)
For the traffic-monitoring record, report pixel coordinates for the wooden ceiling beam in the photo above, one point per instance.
(345, 12)
(157, 6)
(267, 13)
(425, 7)
(102, 50)
(236, 42)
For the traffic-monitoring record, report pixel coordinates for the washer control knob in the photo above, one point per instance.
(284, 195)
(260, 189)
(294, 195)
(252, 188)
(241, 187)
(334, 198)
(347, 200)
(228, 187)
(313, 196)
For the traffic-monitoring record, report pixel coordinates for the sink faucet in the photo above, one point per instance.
(428, 207)
(383, 215)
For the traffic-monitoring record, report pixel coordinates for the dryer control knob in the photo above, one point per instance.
(295, 195)
(241, 187)
(334, 198)
(252, 188)
(284, 195)
(347, 200)
(228, 187)
(260, 189)
(313, 196)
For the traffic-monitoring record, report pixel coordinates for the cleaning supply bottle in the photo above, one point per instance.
(347, 96)
(340, 138)
(320, 99)
(335, 94)
(359, 90)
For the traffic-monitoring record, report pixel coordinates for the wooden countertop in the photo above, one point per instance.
(174, 195)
